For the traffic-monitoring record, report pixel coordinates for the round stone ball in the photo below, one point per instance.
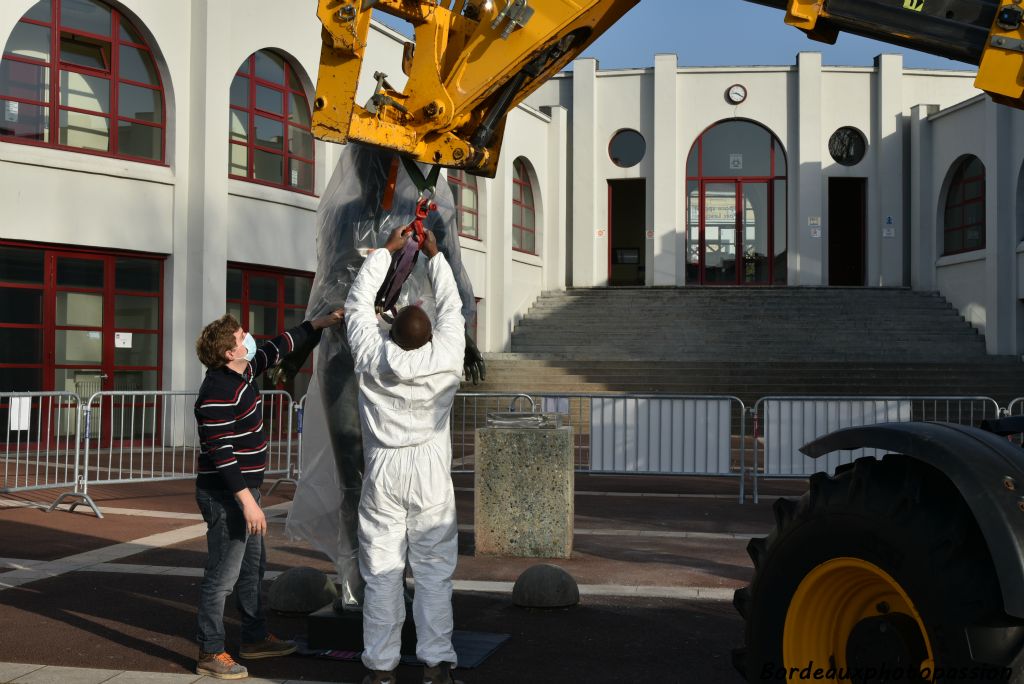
(545, 586)
(301, 590)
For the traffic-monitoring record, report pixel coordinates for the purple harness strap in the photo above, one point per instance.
(403, 260)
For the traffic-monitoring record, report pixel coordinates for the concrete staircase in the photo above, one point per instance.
(750, 343)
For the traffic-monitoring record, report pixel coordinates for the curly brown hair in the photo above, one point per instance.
(216, 339)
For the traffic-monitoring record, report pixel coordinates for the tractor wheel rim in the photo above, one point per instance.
(837, 599)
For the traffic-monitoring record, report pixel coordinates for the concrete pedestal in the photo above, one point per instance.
(524, 492)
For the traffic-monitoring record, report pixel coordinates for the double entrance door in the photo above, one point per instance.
(732, 243)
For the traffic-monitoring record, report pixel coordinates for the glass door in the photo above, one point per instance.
(756, 234)
(720, 233)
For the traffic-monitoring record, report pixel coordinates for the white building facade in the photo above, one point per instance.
(156, 169)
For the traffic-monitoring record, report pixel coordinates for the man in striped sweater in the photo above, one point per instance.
(232, 460)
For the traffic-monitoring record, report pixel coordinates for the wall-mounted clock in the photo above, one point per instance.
(736, 94)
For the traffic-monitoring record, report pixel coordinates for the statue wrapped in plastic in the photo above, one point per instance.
(358, 211)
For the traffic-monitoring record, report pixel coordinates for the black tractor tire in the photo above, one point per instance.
(907, 519)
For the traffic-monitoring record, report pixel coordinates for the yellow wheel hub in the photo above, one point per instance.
(831, 601)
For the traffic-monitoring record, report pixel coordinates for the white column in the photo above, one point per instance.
(886, 230)
(555, 200)
(1000, 232)
(499, 256)
(204, 246)
(923, 231)
(811, 252)
(667, 251)
(586, 245)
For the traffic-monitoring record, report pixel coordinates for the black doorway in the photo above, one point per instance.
(627, 226)
(847, 213)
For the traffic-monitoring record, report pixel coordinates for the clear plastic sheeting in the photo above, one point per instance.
(351, 222)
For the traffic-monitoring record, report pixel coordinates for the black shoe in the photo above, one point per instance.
(439, 674)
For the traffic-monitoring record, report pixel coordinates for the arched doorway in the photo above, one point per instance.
(736, 207)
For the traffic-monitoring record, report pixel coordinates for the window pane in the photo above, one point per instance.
(973, 238)
(269, 67)
(298, 110)
(293, 79)
(80, 308)
(22, 266)
(89, 16)
(974, 213)
(20, 120)
(737, 148)
(263, 288)
(517, 238)
(29, 40)
(691, 162)
(136, 312)
(238, 163)
(79, 272)
(973, 189)
(84, 52)
(627, 148)
(85, 131)
(129, 33)
(529, 218)
(234, 283)
(269, 100)
(296, 290)
(19, 379)
(269, 133)
(141, 275)
(301, 175)
(137, 65)
(239, 125)
(527, 195)
(40, 11)
(20, 345)
(235, 310)
(27, 81)
(135, 381)
(529, 244)
(954, 217)
(954, 241)
(293, 318)
(300, 143)
(21, 306)
(469, 197)
(79, 346)
(139, 140)
(517, 215)
(143, 351)
(268, 167)
(139, 103)
(780, 160)
(240, 91)
(468, 224)
(974, 167)
(85, 92)
(263, 320)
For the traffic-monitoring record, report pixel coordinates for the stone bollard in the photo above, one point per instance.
(524, 492)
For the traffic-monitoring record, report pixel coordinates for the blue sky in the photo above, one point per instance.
(724, 33)
(730, 33)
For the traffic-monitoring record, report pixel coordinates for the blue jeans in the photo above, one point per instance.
(235, 560)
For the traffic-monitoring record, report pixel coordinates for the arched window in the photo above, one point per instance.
(524, 212)
(467, 210)
(270, 139)
(77, 75)
(736, 206)
(963, 224)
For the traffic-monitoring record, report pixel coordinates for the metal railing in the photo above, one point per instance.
(625, 433)
(294, 465)
(782, 424)
(40, 447)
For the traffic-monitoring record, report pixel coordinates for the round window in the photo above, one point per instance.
(847, 146)
(627, 148)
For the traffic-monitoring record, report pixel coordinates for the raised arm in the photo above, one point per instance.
(450, 328)
(364, 337)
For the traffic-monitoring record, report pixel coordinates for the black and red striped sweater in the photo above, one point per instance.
(229, 413)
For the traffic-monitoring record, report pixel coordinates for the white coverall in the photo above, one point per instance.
(407, 504)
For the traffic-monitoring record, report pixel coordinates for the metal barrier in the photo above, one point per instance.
(278, 408)
(40, 446)
(294, 468)
(627, 433)
(783, 424)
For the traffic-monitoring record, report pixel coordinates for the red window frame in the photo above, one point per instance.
(521, 180)
(50, 288)
(463, 183)
(957, 200)
(281, 307)
(247, 72)
(112, 74)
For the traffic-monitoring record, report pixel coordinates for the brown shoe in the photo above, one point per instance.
(271, 647)
(439, 674)
(220, 666)
(381, 677)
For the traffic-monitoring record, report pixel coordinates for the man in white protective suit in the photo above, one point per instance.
(408, 378)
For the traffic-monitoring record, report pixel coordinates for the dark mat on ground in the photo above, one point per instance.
(472, 648)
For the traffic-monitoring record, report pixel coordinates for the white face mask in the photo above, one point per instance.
(250, 347)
